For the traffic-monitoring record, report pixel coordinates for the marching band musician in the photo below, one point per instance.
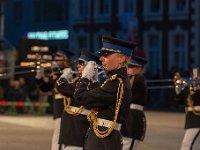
(109, 101)
(45, 84)
(191, 140)
(74, 123)
(134, 130)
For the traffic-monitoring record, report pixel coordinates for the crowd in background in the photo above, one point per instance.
(24, 89)
(21, 90)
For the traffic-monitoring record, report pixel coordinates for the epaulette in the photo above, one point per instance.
(113, 77)
(60, 81)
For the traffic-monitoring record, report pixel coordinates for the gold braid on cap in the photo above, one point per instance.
(67, 103)
(190, 102)
(81, 59)
(110, 50)
(92, 117)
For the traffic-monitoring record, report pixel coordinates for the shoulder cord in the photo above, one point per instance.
(56, 91)
(190, 103)
(92, 117)
(132, 80)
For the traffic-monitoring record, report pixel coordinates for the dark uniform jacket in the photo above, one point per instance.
(104, 98)
(57, 101)
(191, 100)
(135, 126)
(73, 127)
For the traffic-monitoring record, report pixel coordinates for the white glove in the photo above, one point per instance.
(95, 77)
(67, 74)
(39, 73)
(90, 71)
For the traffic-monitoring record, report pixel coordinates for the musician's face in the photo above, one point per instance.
(80, 67)
(134, 70)
(196, 77)
(113, 61)
(195, 74)
(61, 61)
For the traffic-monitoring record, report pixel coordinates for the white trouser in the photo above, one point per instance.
(127, 143)
(72, 148)
(191, 139)
(56, 134)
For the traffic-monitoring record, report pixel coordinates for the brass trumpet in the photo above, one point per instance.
(181, 84)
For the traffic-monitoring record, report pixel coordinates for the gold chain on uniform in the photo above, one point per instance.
(190, 102)
(132, 80)
(67, 102)
(92, 117)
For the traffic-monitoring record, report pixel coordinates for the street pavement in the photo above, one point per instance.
(165, 131)
(25, 132)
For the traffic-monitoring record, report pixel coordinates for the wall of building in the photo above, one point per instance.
(168, 31)
(23, 16)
